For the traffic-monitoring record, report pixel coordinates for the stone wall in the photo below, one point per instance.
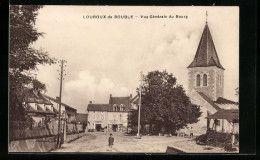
(201, 126)
(219, 82)
(33, 145)
(213, 89)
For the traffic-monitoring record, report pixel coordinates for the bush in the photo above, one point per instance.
(202, 139)
(219, 139)
(215, 139)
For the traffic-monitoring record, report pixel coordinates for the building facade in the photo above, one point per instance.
(110, 117)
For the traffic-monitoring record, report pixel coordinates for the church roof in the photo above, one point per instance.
(222, 100)
(206, 54)
(211, 102)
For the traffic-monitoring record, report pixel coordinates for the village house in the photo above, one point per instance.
(70, 111)
(38, 107)
(206, 89)
(42, 108)
(113, 116)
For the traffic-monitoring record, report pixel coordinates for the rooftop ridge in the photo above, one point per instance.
(206, 51)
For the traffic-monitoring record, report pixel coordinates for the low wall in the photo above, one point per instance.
(39, 140)
(22, 134)
(33, 145)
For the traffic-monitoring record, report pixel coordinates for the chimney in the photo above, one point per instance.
(110, 95)
(130, 95)
(90, 102)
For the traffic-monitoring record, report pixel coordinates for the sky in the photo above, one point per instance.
(106, 56)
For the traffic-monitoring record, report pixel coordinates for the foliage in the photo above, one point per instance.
(23, 58)
(27, 124)
(216, 139)
(202, 139)
(164, 103)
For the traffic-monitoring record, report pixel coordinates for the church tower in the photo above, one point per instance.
(205, 73)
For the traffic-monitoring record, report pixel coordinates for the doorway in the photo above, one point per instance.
(98, 127)
(114, 127)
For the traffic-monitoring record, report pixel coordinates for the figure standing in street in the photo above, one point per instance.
(191, 133)
(110, 142)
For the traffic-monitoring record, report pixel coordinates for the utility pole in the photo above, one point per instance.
(61, 79)
(139, 108)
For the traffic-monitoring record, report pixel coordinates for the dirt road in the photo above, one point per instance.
(98, 142)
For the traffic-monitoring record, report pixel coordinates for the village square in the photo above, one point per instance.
(155, 111)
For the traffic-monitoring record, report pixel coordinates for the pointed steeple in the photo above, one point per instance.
(206, 54)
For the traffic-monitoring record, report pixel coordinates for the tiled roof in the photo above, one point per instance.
(119, 100)
(222, 100)
(46, 101)
(206, 54)
(104, 107)
(30, 109)
(56, 101)
(126, 101)
(32, 96)
(100, 107)
(206, 98)
(81, 117)
(232, 114)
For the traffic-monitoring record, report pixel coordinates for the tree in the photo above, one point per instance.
(23, 58)
(164, 103)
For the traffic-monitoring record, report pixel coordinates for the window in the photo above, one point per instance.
(205, 80)
(122, 107)
(198, 80)
(114, 107)
(217, 122)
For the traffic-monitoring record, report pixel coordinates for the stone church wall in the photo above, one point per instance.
(209, 90)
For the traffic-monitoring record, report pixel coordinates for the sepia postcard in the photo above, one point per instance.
(123, 79)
